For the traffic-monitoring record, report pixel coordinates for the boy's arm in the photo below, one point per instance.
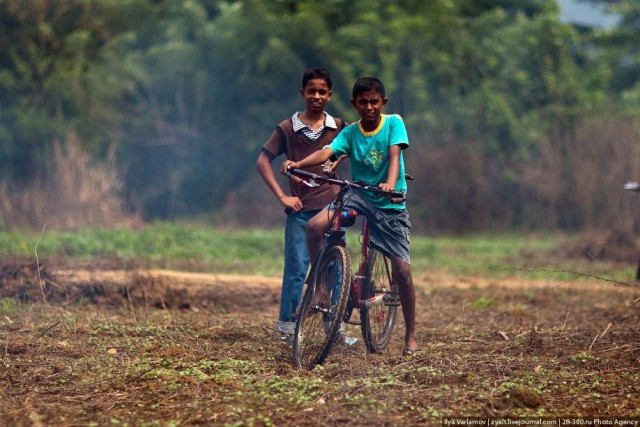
(394, 169)
(313, 159)
(263, 165)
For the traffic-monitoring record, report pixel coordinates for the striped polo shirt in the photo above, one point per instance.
(299, 126)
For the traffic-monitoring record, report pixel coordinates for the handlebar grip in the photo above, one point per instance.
(300, 172)
(401, 198)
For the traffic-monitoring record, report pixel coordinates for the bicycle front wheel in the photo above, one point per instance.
(378, 319)
(322, 309)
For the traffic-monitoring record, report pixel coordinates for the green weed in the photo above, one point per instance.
(582, 357)
(8, 305)
(483, 302)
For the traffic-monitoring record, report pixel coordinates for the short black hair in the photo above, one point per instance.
(316, 73)
(367, 84)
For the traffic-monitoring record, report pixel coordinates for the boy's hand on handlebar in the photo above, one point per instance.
(334, 165)
(386, 187)
(288, 164)
(391, 188)
(291, 202)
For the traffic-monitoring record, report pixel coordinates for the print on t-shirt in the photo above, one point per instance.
(374, 158)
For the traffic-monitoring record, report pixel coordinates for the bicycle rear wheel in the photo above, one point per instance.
(322, 309)
(377, 321)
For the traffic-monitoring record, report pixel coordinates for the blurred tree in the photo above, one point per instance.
(620, 48)
(188, 94)
(44, 50)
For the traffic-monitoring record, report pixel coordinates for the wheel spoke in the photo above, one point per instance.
(378, 319)
(323, 307)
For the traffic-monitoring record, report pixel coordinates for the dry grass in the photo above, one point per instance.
(172, 349)
(78, 191)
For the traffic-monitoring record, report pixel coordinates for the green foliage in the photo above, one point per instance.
(620, 54)
(187, 95)
(164, 244)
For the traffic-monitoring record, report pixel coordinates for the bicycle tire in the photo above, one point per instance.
(377, 322)
(322, 309)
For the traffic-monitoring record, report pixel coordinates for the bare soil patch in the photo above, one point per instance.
(116, 344)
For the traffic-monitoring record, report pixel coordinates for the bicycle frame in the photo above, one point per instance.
(359, 276)
(335, 235)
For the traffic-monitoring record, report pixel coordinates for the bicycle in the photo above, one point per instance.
(327, 302)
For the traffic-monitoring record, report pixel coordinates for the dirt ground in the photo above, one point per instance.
(118, 345)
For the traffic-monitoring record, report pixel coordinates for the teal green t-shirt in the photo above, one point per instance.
(369, 154)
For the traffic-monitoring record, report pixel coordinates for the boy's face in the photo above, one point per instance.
(316, 94)
(369, 105)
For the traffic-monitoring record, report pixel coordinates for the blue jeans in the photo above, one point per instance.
(296, 263)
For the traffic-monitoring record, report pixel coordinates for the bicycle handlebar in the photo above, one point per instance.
(396, 196)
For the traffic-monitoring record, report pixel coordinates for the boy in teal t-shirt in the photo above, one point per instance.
(374, 145)
(369, 154)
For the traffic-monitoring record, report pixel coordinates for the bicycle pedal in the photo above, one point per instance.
(391, 301)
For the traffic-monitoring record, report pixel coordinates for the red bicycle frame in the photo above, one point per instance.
(357, 279)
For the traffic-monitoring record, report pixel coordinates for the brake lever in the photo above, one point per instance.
(311, 184)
